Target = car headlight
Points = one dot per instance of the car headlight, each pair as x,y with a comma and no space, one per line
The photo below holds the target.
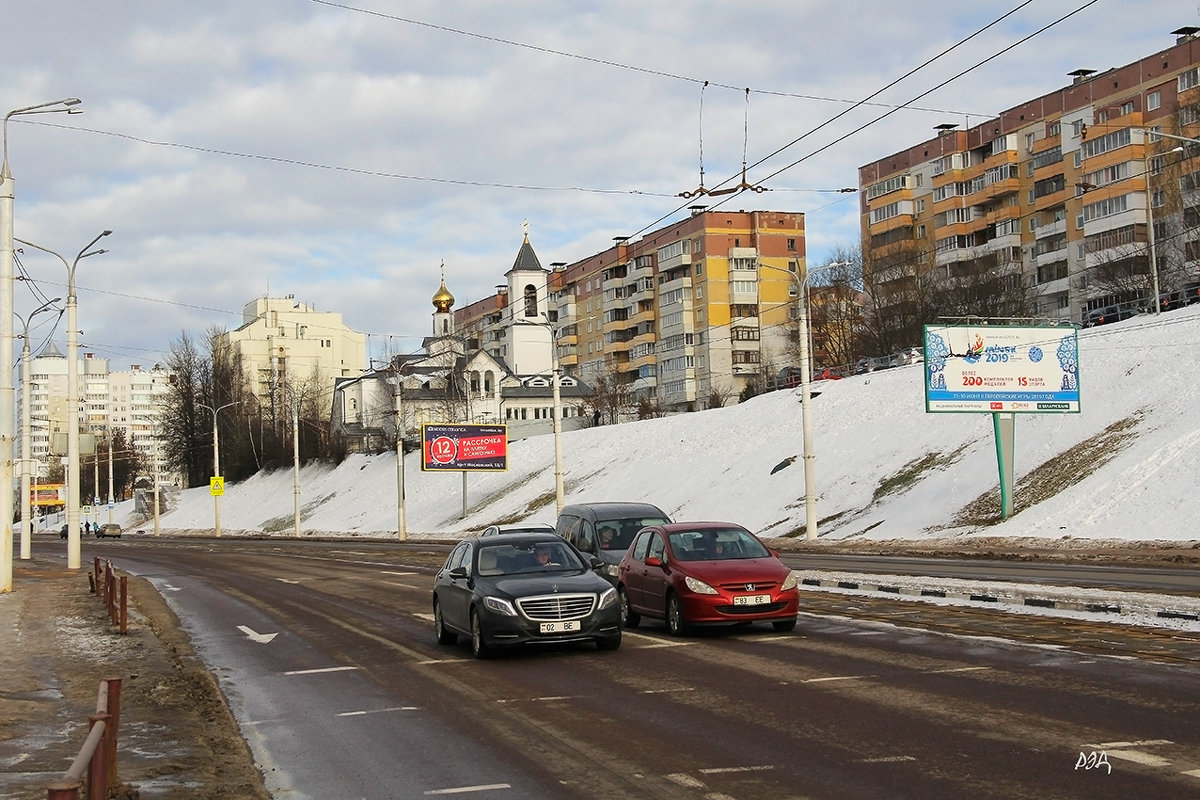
698,586
608,598
790,583
500,606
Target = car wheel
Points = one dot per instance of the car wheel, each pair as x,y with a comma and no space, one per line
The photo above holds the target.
629,617
609,642
444,636
785,625
675,622
479,647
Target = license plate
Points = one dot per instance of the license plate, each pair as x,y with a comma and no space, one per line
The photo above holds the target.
751,599
560,627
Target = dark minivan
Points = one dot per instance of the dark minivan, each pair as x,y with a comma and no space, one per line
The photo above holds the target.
606,530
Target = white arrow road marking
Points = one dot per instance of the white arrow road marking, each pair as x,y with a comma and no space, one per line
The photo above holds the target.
168,587
255,636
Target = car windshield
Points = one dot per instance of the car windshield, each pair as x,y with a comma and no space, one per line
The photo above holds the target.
715,545
518,558
617,534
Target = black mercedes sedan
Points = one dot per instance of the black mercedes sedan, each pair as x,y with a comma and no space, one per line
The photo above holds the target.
512,589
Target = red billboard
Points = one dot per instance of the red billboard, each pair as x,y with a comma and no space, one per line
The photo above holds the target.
464,448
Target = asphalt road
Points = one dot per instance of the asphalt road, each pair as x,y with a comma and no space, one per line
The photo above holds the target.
352,697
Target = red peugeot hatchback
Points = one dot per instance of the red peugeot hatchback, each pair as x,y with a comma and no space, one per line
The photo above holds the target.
705,573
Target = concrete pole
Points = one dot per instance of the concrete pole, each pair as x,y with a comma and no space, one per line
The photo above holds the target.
810,490
296,466
558,457
27,432
111,501
7,392
401,523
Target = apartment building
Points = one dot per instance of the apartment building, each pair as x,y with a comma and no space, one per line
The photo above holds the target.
693,310
128,400
284,343
1084,193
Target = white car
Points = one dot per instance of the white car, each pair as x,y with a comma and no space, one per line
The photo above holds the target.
524,527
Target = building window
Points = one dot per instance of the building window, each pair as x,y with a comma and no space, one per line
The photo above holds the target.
1153,101
1127,107
791,245
1189,80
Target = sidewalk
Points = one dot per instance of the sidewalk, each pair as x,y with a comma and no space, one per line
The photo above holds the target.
176,738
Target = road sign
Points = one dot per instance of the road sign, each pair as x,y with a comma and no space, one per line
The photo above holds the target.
216,486
85,510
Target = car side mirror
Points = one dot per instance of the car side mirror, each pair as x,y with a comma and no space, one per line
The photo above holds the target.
654,561
458,572
596,563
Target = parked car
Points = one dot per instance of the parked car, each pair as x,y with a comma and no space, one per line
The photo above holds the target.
605,530
789,378
866,365
525,527
1103,316
108,529
512,589
705,573
1190,293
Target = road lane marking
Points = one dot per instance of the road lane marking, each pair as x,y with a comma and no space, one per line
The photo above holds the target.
318,670
683,779
668,691
885,759
956,669
376,711
285,580
402,574
719,770
835,678
487,787
540,699
1138,757
255,636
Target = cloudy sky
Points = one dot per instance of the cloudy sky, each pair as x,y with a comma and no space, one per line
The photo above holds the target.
340,152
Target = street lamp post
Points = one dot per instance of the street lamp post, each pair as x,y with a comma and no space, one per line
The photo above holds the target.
810,490
401,524
556,384
27,429
7,391
217,463
73,551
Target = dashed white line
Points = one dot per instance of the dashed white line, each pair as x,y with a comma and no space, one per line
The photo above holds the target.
683,779
956,669
376,711
669,691
487,787
403,574
834,678
539,699
318,670
1138,757
719,770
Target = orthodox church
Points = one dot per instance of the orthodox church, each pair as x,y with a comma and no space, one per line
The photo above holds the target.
455,380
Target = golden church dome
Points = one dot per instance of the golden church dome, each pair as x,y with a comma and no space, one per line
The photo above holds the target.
443,300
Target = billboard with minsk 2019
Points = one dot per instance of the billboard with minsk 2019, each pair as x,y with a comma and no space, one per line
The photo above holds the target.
1002,368
464,448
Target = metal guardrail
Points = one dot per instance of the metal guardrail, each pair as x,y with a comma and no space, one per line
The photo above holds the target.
95,768
113,590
